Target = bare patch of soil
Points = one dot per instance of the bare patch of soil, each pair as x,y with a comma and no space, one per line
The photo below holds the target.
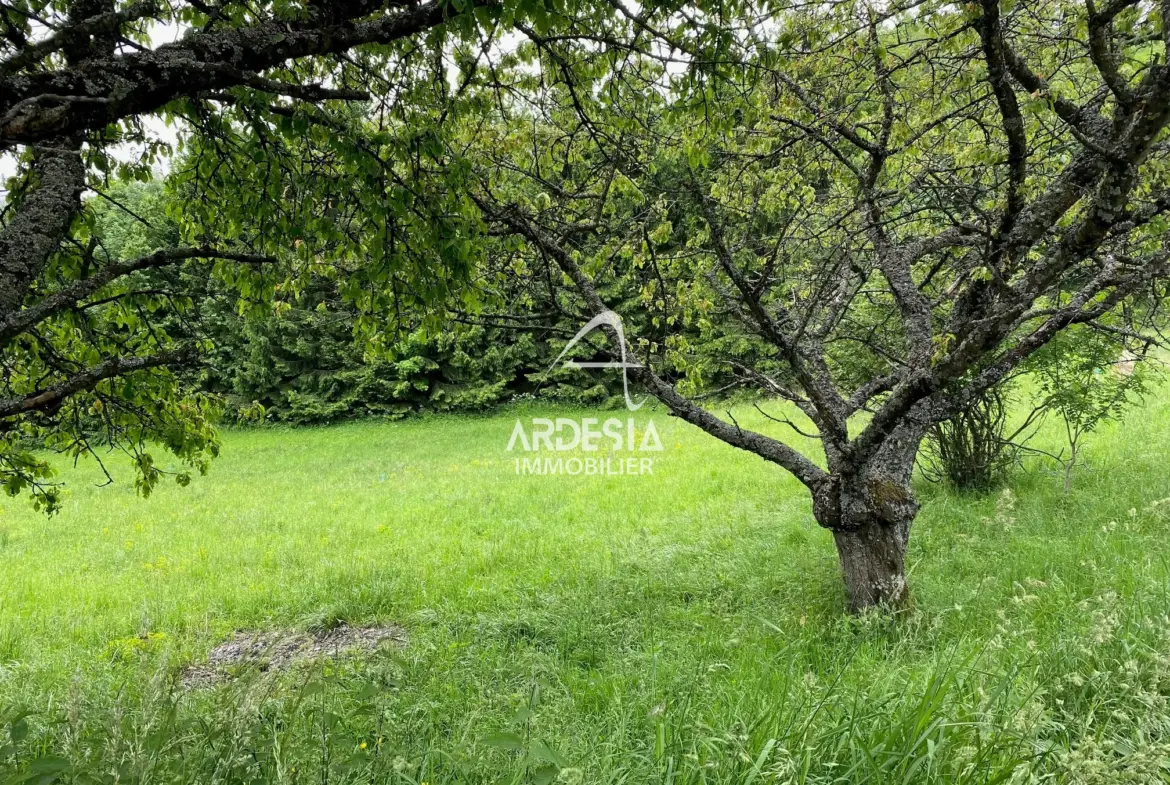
278,650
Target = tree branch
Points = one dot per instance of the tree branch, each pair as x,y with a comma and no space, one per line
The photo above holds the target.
15,323
50,399
41,221
767,448
105,89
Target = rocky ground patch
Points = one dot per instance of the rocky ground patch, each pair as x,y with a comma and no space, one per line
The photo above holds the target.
277,650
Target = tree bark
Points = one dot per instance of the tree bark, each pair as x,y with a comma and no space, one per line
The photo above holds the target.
873,565
88,96
40,222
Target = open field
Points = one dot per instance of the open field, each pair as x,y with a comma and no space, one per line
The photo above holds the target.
681,627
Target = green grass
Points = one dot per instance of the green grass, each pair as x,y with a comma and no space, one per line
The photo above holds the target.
682,627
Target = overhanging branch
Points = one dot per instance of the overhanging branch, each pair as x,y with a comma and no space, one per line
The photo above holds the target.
106,89
19,321
50,399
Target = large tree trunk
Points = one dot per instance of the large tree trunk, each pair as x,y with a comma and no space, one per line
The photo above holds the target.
873,565
870,514
869,509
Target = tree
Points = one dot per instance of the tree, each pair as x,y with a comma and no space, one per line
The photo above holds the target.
280,107
901,204
1085,376
875,213
1080,378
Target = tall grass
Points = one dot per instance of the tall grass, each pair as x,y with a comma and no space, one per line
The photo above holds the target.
682,627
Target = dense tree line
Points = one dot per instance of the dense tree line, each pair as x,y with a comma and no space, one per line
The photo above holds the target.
297,360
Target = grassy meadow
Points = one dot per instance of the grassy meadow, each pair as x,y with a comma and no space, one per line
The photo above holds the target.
681,627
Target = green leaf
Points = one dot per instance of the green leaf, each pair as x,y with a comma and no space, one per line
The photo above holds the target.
504,740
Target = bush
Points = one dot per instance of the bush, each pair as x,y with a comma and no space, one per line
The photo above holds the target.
972,450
